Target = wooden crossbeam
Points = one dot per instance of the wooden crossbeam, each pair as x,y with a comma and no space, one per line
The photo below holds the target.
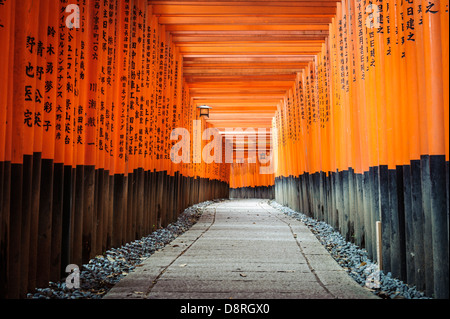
242,57
301,9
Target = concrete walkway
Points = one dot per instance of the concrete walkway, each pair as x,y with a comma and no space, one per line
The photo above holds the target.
241,249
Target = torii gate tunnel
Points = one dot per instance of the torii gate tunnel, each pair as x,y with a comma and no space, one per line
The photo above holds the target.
337,109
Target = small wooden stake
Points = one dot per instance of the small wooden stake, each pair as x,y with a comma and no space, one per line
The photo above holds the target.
379,250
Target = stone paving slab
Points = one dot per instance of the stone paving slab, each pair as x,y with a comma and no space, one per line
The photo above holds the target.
241,249
244,275
237,295
236,286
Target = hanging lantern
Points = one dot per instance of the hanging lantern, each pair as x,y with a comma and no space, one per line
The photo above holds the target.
204,110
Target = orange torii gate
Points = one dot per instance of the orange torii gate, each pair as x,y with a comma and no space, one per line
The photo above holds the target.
372,120
85,125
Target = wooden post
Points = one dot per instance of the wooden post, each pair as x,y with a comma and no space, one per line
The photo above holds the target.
379,236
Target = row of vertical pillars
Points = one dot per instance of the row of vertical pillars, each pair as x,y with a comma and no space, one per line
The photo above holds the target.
411,202
54,215
263,192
